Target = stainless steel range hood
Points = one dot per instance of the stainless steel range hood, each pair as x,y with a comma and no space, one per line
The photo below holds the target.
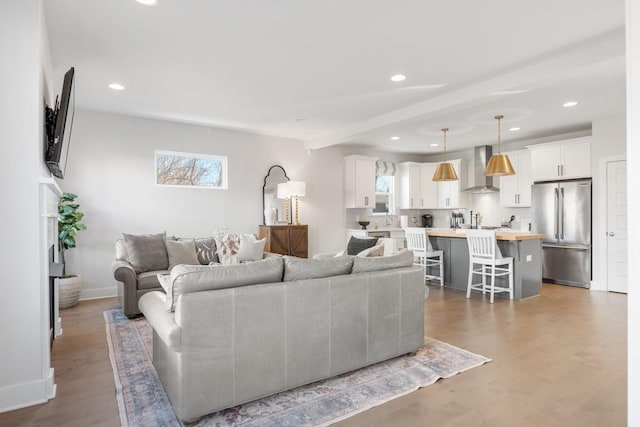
481,183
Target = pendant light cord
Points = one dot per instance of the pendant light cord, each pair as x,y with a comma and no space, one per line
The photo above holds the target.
445,130
498,118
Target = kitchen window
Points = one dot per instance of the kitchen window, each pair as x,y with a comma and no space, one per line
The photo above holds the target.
384,195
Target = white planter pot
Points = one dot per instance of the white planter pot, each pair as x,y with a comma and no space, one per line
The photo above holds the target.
69,291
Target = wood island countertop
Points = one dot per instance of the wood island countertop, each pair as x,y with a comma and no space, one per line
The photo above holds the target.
500,235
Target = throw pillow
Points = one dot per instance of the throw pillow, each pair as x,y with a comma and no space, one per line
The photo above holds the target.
377,250
228,247
206,250
250,249
357,245
181,252
401,259
147,252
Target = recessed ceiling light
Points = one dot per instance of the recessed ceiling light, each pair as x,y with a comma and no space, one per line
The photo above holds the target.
570,104
433,145
514,129
395,138
116,86
398,78
148,2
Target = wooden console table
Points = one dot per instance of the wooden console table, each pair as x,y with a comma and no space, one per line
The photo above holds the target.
286,239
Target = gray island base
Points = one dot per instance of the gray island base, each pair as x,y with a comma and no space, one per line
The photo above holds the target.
526,250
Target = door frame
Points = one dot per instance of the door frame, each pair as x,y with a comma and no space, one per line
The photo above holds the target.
599,239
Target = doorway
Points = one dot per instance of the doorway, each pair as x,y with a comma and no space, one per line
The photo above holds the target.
617,242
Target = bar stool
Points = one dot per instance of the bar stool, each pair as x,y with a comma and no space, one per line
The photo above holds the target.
484,250
418,242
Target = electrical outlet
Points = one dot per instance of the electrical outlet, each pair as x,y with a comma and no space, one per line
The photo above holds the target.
529,258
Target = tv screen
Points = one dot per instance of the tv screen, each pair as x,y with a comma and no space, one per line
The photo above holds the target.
58,150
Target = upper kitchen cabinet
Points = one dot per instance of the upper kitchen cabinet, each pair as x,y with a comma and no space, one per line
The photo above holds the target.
417,190
449,196
515,190
360,182
561,160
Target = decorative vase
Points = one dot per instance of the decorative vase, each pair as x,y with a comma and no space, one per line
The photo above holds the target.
69,291
270,215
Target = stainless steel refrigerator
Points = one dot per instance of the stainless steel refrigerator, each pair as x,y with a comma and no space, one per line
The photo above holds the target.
562,212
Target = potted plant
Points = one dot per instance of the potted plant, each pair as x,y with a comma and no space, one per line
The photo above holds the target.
69,217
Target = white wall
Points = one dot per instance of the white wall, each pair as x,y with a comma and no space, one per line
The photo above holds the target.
25,377
633,176
608,142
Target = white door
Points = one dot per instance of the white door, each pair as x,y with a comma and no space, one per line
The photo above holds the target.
415,177
546,163
617,226
365,183
576,161
524,180
429,187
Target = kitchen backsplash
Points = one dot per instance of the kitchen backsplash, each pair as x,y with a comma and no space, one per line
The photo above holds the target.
487,204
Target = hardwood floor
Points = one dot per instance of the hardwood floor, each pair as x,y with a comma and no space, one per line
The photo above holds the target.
559,360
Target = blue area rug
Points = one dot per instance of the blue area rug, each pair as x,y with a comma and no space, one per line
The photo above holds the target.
143,402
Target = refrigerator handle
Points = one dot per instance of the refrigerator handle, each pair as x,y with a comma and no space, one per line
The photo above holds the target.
555,226
562,214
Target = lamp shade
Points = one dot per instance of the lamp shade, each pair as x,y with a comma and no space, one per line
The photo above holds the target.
445,172
283,190
297,188
499,165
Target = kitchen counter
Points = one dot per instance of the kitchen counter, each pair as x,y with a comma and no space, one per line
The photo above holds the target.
370,228
525,248
500,235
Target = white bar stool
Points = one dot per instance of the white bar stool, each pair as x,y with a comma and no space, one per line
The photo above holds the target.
418,242
484,250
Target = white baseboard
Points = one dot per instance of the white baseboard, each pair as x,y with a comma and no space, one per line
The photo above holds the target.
27,394
98,293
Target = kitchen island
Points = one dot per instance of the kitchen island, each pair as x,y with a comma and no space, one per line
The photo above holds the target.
525,248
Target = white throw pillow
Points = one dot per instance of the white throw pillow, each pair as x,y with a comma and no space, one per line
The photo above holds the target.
377,250
165,282
250,248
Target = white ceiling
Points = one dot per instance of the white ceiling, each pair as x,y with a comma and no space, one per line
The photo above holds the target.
258,66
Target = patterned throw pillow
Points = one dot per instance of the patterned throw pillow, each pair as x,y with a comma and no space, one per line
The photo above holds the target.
228,247
206,250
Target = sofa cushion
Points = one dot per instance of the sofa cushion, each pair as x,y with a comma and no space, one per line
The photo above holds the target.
206,250
186,279
182,251
398,260
357,245
300,268
149,279
147,252
164,280
377,250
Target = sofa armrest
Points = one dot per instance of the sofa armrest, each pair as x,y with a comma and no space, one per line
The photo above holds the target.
127,292
266,255
152,305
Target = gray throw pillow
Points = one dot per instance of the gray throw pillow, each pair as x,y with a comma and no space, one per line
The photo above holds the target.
147,252
357,245
401,259
301,269
206,250
181,252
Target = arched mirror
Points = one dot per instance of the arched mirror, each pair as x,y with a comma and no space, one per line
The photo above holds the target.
275,176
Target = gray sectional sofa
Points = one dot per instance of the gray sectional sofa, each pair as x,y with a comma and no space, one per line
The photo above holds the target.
225,335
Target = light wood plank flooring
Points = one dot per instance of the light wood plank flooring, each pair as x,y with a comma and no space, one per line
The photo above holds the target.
559,360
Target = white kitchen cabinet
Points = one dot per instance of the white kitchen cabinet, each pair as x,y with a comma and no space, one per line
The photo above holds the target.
360,182
561,160
417,189
515,190
410,178
429,187
449,196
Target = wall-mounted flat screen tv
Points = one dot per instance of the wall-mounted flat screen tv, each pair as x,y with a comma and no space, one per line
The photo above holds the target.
59,124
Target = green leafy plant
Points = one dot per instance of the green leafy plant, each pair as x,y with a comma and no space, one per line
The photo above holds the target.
69,224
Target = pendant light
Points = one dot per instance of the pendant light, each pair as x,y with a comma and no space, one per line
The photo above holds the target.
445,170
499,164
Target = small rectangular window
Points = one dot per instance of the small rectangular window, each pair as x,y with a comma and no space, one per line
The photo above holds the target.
174,169
384,195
